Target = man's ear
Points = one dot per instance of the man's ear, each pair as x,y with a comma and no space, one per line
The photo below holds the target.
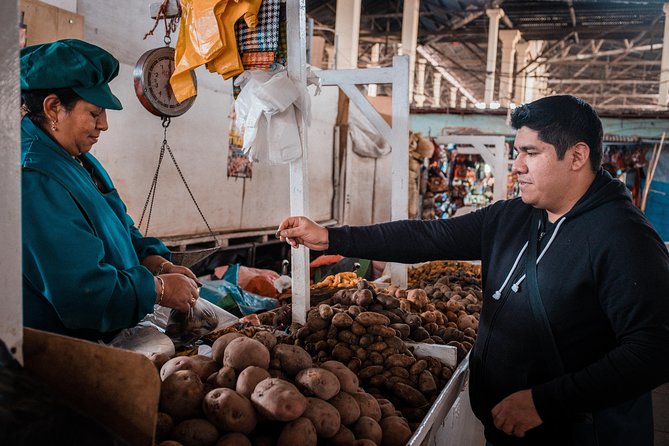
580,156
51,106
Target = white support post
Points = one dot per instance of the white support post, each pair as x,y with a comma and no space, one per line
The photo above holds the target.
419,97
399,209
347,33
397,135
463,102
436,89
509,38
410,16
663,97
299,192
11,316
521,61
491,63
372,89
532,87
453,98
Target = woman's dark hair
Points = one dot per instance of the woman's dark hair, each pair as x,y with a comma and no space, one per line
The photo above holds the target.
33,100
563,121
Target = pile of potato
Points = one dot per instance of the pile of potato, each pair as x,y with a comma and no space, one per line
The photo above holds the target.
257,391
462,273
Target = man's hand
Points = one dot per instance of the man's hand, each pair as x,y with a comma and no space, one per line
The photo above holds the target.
298,231
516,414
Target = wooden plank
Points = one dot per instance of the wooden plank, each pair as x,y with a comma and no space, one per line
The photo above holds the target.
47,23
116,387
357,76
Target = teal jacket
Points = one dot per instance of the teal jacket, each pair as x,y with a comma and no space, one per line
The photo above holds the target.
81,251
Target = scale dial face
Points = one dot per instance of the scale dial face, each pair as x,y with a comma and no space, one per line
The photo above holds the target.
152,83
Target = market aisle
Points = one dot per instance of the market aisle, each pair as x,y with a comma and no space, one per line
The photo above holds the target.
661,414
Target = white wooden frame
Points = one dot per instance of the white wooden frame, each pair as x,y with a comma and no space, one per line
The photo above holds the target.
397,135
493,151
398,138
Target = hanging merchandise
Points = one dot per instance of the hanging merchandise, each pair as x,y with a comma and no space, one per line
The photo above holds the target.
258,45
239,163
207,37
153,70
151,76
366,141
266,111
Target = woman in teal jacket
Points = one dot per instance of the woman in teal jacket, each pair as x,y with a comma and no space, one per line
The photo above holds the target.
87,270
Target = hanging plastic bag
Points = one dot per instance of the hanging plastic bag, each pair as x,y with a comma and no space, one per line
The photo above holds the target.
247,303
186,327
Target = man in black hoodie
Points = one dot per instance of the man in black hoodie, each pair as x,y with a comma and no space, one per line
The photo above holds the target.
569,348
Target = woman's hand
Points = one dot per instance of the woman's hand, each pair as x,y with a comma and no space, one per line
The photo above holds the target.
175,290
171,268
298,231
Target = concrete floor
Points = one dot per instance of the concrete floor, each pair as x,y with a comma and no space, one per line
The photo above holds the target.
661,415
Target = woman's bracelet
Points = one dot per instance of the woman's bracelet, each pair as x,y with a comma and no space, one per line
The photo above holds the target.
162,290
161,266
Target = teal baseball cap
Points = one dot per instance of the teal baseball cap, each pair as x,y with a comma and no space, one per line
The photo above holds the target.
71,63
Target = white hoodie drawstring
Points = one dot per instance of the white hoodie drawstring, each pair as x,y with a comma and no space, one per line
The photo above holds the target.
498,293
516,286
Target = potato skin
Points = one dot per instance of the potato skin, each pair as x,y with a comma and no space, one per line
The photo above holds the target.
234,439
347,406
292,358
220,344
249,378
316,381
324,416
369,407
368,428
298,432
181,395
229,411
195,432
225,377
396,431
276,399
348,381
343,437
201,365
243,352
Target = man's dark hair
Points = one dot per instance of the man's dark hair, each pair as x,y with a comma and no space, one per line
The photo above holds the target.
33,100
563,121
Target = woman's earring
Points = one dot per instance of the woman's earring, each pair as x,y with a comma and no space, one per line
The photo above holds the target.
53,126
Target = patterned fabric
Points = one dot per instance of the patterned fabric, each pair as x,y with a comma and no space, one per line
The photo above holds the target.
258,61
265,36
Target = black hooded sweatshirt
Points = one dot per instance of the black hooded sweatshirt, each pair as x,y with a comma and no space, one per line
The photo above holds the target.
604,283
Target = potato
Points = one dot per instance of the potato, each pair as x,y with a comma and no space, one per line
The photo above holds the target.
409,395
369,318
229,411
317,381
170,443
342,320
195,432
363,297
234,439
399,360
220,344
347,406
324,416
387,408
243,352
201,365
279,400
159,359
181,395
343,437
164,426
369,407
225,377
292,358
402,329
249,378
418,297
348,380
363,442
266,338
301,431
325,311
368,428
396,431
426,383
